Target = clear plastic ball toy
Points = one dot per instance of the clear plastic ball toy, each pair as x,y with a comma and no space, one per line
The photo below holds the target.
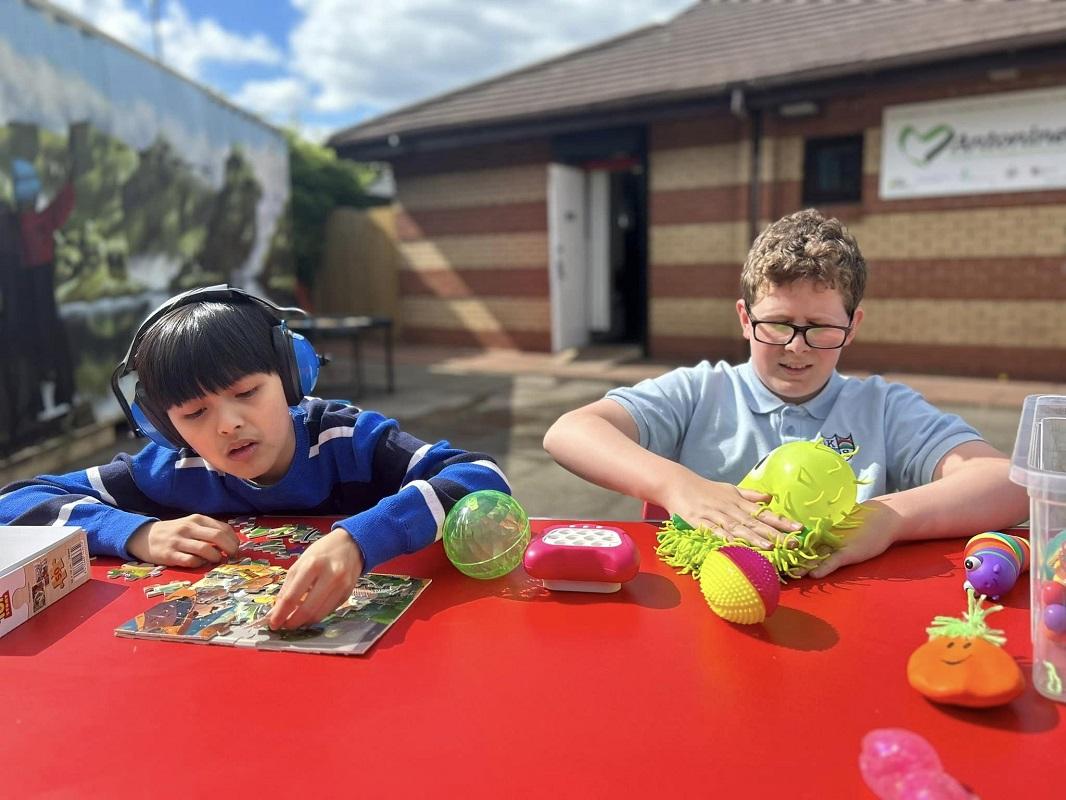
485,534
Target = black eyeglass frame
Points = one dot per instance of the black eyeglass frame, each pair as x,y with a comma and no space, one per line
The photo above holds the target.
801,329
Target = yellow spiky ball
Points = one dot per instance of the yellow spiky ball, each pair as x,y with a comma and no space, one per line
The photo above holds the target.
739,584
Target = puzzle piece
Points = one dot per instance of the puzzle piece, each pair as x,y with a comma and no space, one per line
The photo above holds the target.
260,533
135,571
165,588
305,534
276,548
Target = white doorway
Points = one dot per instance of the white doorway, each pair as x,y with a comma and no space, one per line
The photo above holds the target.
579,244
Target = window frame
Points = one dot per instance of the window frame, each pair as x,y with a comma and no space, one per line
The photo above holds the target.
813,148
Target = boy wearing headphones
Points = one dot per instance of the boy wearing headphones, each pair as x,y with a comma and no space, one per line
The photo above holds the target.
221,387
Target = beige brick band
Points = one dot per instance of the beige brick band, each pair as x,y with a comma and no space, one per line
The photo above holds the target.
473,252
699,243
522,184
495,314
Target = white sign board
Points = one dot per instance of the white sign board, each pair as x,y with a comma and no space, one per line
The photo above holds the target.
1009,142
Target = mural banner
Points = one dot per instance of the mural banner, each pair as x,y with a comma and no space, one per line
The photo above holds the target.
121,183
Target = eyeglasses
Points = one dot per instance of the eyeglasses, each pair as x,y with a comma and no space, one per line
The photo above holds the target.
820,337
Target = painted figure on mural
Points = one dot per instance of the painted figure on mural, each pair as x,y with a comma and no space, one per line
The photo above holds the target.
38,367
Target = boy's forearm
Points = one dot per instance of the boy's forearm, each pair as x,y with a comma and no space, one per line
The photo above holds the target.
594,449
970,500
107,528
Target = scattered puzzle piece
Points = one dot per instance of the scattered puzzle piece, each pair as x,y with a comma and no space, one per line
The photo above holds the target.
305,534
135,571
165,588
260,533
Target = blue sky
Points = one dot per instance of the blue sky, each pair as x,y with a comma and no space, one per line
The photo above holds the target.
325,64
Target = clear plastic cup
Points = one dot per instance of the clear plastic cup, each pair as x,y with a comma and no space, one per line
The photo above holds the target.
1039,464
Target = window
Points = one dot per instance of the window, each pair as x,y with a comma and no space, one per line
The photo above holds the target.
832,170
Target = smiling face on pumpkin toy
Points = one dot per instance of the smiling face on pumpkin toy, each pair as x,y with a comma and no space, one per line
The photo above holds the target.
964,664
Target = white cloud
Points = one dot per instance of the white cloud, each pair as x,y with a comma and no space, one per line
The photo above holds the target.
280,99
348,58
187,44
385,55
115,18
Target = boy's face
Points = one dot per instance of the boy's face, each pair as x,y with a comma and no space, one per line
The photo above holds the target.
796,372
245,430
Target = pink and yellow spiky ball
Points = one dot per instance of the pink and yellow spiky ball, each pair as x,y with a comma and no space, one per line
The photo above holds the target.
740,584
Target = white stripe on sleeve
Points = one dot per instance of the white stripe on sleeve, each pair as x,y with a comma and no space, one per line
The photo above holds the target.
97,482
495,468
68,509
433,503
420,453
340,431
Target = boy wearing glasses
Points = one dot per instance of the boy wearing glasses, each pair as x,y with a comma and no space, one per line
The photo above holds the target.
685,439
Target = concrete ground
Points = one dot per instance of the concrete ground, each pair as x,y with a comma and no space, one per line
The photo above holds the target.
502,402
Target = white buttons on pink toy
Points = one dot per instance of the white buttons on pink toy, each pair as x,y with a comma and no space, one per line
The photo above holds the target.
582,558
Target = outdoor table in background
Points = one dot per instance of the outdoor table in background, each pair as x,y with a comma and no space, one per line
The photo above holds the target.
351,327
502,688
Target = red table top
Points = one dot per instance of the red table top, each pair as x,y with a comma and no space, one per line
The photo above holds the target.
501,687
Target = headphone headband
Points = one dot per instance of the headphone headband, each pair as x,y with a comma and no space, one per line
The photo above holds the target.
219,293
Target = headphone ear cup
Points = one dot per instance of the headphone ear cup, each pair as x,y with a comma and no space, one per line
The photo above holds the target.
156,428
307,363
285,354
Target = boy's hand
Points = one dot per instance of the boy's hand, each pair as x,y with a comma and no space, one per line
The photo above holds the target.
731,511
190,541
320,580
876,534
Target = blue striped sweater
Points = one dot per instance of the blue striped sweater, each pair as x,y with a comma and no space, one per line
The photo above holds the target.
392,489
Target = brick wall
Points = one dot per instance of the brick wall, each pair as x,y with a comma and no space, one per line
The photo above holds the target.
473,232
958,285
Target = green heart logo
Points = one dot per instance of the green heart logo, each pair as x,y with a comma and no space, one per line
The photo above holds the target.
921,148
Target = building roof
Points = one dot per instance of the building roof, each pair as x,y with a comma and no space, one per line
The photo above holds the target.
718,45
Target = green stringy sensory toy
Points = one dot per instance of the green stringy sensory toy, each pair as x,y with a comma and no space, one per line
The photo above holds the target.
807,482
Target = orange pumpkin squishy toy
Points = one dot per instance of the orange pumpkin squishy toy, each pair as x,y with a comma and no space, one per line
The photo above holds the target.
964,663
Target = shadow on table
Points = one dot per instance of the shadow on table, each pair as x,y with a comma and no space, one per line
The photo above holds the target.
794,629
1030,713
48,627
902,564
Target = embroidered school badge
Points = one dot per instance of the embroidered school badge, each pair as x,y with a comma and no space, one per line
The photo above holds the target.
844,445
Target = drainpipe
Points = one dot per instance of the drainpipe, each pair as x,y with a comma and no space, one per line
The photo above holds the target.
739,107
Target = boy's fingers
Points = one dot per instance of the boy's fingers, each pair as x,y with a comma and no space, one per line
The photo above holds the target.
184,559
751,531
777,521
828,566
317,604
292,592
222,540
754,496
224,537
199,546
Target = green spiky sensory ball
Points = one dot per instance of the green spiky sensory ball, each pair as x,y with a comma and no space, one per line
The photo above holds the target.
807,482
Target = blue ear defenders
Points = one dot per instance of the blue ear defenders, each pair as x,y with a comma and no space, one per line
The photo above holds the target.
298,363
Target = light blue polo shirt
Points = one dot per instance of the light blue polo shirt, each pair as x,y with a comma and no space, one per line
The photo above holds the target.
720,421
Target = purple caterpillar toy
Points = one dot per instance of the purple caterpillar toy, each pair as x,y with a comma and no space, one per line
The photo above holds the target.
993,562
